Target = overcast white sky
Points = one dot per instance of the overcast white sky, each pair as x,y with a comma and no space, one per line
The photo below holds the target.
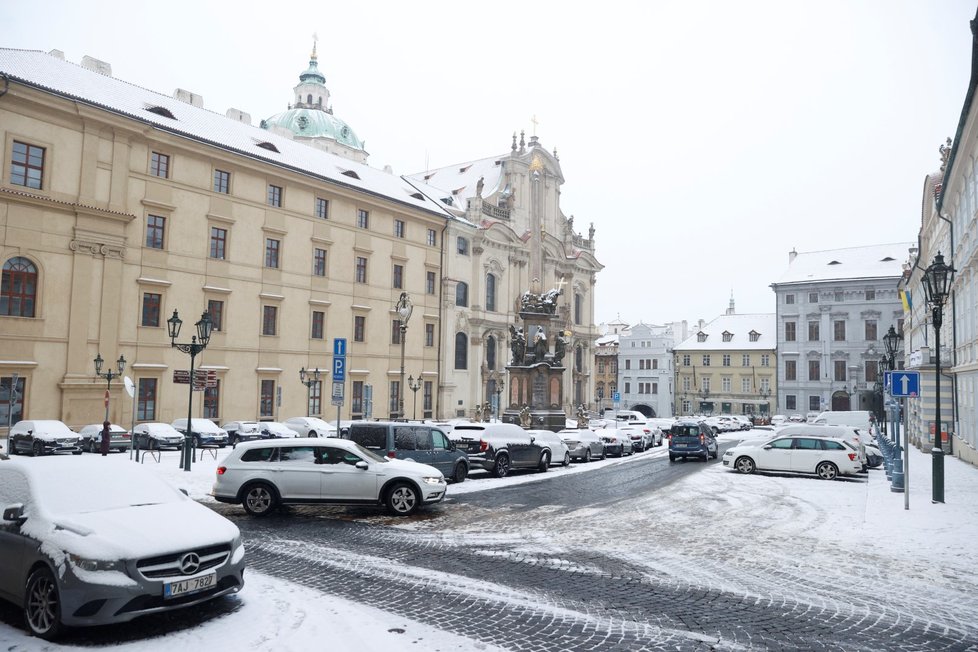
704,139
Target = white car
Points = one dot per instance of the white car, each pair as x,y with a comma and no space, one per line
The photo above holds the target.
154,436
778,419
827,457
643,437
276,430
854,436
239,431
261,475
42,436
205,432
91,438
559,453
310,427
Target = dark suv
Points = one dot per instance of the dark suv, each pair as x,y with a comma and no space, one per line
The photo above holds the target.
688,438
412,441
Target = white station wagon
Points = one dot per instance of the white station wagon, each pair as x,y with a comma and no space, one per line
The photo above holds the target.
826,457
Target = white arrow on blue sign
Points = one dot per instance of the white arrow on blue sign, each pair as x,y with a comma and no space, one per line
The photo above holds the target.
904,383
339,346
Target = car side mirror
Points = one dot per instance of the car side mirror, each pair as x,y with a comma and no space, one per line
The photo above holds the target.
363,466
14,512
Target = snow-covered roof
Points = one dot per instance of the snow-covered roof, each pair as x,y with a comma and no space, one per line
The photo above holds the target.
607,340
874,261
738,329
50,73
460,181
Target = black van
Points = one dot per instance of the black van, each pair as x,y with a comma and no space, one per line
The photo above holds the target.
412,441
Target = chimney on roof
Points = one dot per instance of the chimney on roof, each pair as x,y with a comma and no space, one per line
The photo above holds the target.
792,255
239,116
388,169
95,65
57,54
190,98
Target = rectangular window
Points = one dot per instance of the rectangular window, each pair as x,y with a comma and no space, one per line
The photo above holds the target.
361,270
790,370
363,219
146,403
790,402
745,360
813,297
839,330
319,262
725,384
272,247
814,403
27,165
266,401
765,360
686,360
655,364
398,280
427,400
429,282
870,295
152,304
655,388
725,360
745,385
159,165
395,397
269,320
789,331
871,370
212,401
706,359
398,228
396,331
356,401
839,296
219,242
789,299
814,370
274,196
315,398
429,334
628,364
155,230
318,324
222,181
813,334
628,388
215,309
432,239
359,328
840,370
871,329
322,208
12,401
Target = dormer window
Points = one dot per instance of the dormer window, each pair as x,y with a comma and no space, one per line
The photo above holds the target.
351,174
270,147
727,336
754,336
159,110
701,336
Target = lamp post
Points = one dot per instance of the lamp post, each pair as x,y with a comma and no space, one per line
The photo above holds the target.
881,384
936,283
499,398
11,401
109,377
197,344
309,379
404,309
414,386
765,393
704,394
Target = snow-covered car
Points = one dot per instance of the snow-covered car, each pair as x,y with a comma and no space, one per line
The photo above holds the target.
239,431
81,546
310,427
825,456
91,438
616,442
643,437
42,436
156,436
205,432
854,436
778,419
276,430
743,421
583,444
500,447
559,453
261,475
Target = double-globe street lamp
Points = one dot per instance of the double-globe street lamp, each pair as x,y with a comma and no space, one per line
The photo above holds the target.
197,344
414,385
891,342
310,379
404,308
936,282
109,376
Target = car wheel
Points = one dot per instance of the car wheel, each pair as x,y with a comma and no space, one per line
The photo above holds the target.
502,466
827,470
587,455
402,499
42,607
91,446
544,462
745,465
567,459
259,499
38,449
716,453
196,441
672,458
460,473
312,433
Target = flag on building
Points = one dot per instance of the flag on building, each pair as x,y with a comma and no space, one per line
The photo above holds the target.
907,302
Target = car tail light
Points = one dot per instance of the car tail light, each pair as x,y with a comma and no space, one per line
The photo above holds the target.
391,454
646,431
852,457
702,439
221,470
483,445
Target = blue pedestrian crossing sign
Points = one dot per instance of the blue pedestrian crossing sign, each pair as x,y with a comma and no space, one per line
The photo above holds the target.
904,383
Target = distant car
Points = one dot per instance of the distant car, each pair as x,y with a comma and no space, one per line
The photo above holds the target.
42,437
156,436
205,432
643,437
689,438
91,438
811,416
276,430
616,443
261,475
239,431
83,546
826,457
560,453
778,419
419,442
584,445
310,427
796,418
743,420
500,447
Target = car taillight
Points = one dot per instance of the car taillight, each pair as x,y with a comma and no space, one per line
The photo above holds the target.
483,445
221,470
391,454
852,457
646,431
702,439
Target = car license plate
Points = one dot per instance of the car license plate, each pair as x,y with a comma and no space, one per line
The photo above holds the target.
185,587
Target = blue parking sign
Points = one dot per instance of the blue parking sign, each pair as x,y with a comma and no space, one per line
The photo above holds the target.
616,397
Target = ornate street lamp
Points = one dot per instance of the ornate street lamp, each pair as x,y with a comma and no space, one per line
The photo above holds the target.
404,309
11,400
499,397
109,376
884,366
891,340
197,344
765,393
310,379
704,394
414,386
936,282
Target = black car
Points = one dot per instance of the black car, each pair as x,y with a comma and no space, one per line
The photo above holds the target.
688,438
500,447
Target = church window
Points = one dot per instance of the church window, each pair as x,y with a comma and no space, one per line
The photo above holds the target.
491,353
491,292
463,246
309,98
461,351
462,294
578,308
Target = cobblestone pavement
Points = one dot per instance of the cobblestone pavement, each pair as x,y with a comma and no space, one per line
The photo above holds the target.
614,560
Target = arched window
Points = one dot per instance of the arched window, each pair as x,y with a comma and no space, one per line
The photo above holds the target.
461,351
491,353
18,288
309,98
579,359
462,294
490,292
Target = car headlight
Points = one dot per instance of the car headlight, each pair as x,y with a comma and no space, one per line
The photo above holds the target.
433,480
98,564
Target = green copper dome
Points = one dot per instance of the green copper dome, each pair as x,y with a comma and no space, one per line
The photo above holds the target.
312,73
314,123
